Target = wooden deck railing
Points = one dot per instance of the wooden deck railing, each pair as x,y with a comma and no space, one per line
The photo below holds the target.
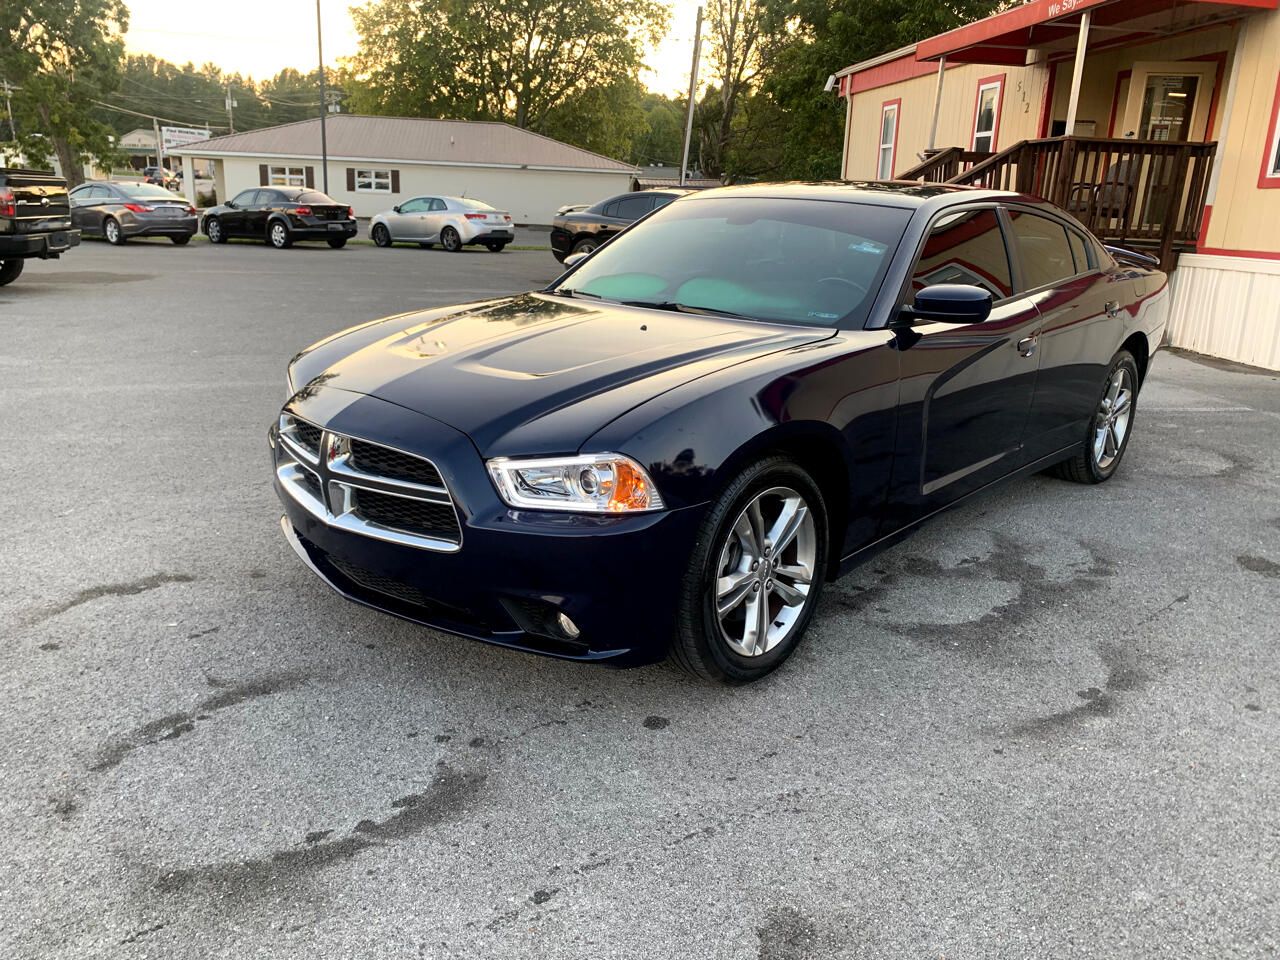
942,165
1148,193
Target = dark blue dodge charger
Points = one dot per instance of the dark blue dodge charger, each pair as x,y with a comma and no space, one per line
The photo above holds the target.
668,450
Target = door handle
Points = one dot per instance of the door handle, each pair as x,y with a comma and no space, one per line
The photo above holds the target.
1112,308
1027,345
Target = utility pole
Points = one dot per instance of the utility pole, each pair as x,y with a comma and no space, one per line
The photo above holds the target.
8,102
324,107
693,89
155,129
231,104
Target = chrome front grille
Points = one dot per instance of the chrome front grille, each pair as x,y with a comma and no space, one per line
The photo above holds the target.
366,488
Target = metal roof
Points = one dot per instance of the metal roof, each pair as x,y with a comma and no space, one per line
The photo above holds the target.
408,139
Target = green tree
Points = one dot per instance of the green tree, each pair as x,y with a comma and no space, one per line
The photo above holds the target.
734,31
62,55
525,62
663,136
808,40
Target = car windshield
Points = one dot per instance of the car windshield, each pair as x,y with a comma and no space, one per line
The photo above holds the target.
813,262
145,191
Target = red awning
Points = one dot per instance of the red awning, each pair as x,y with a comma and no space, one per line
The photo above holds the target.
1006,37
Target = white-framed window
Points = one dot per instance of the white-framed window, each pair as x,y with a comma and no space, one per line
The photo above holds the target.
888,139
986,114
287,177
1270,177
373,181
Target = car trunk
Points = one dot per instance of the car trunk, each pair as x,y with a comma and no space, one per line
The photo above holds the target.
490,219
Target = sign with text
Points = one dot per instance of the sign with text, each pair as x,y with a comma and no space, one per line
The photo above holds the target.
171,137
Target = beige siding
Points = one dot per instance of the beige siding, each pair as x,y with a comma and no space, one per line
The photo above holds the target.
1244,216
1228,307
1019,114
530,196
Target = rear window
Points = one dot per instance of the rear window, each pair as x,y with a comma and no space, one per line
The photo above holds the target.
145,191
315,196
466,204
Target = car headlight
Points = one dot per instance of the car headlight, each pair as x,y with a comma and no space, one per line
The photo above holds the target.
597,483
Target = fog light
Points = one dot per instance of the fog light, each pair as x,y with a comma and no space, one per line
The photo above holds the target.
568,626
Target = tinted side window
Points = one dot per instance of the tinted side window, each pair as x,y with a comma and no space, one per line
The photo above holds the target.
662,199
418,205
633,208
437,205
1043,249
1079,251
965,247
611,209
245,199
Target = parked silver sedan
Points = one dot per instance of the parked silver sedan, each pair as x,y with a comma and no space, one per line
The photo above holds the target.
120,210
452,222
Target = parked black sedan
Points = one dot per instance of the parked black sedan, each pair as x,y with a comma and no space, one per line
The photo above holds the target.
281,216
669,449
120,210
581,231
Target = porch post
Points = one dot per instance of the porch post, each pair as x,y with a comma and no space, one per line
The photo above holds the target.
1077,71
937,102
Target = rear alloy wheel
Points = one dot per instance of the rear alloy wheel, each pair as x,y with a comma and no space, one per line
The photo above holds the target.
278,235
755,575
586,246
10,270
337,242
450,240
111,230
1108,433
381,236
213,229
495,247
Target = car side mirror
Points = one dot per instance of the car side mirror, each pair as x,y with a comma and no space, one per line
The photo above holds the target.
396,208
573,259
231,204
950,303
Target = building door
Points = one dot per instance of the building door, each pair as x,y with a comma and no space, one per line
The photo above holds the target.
1169,101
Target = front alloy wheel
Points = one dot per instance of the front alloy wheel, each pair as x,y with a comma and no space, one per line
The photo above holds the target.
381,236
755,575
111,230
213,228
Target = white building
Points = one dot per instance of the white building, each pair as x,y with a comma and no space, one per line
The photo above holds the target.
377,162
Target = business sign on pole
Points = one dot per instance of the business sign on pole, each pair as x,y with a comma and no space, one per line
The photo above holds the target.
171,137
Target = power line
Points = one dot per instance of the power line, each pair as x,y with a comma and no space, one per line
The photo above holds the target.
151,116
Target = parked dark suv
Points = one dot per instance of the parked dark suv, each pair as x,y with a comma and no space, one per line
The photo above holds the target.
281,215
35,220
584,230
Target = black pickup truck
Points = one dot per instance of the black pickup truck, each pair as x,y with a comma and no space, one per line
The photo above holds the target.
35,220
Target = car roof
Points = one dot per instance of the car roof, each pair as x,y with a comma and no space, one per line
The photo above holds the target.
905,194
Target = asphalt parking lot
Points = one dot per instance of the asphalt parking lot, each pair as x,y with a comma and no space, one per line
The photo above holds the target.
1045,726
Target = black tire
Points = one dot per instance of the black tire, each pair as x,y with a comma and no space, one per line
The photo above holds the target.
180,241
1088,466
112,230
10,270
336,242
700,645
586,245
278,235
450,240
213,230
427,246
495,247
380,235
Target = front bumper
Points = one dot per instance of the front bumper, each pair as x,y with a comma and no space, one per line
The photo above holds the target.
617,577
45,246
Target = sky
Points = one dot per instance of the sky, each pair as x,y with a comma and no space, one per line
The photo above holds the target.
259,38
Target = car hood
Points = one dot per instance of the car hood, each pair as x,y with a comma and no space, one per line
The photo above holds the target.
535,374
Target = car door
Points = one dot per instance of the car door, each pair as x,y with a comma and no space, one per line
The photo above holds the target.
1079,304
82,208
965,390
433,220
233,218
403,224
624,211
266,203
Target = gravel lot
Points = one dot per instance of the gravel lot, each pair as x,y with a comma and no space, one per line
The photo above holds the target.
1045,726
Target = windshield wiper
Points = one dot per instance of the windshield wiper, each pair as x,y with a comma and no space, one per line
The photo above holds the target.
676,307
569,292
